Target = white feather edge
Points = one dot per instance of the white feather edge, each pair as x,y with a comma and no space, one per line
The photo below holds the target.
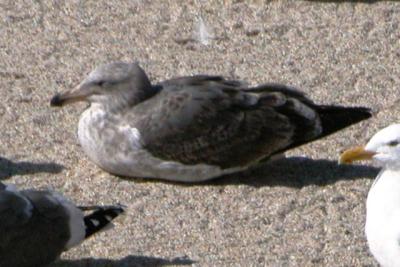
11,188
77,226
203,33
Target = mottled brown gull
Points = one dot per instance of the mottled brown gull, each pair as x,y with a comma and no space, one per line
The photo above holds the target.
193,128
37,226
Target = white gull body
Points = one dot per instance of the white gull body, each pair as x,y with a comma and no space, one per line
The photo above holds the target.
137,162
382,225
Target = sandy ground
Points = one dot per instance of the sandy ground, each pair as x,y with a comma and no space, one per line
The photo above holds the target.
303,211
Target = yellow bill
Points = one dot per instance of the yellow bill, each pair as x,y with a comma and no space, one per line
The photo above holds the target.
355,154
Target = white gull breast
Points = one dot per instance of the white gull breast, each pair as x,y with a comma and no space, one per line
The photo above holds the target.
128,157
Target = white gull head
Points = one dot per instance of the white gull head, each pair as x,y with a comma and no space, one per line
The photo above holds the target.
385,145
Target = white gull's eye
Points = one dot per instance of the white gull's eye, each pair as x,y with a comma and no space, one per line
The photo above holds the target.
393,143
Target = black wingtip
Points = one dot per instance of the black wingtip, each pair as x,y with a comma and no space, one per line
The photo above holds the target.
335,118
101,218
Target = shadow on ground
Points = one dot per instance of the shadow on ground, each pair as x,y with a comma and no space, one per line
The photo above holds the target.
298,172
291,172
129,261
9,168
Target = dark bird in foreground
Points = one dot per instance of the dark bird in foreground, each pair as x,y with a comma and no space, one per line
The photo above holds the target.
193,128
37,226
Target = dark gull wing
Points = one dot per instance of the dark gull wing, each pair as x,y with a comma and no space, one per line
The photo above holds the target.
211,121
37,226
330,118
200,80
28,238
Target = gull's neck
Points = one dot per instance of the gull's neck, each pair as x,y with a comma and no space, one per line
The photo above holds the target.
388,168
113,106
390,173
392,166
125,99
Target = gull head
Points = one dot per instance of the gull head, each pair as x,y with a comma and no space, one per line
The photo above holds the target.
383,147
113,85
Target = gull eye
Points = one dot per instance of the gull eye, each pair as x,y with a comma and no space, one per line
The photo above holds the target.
100,83
393,143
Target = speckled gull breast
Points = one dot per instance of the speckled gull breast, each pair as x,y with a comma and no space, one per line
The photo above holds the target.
193,128
37,226
382,226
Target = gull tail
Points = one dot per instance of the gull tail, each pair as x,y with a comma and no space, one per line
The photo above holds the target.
335,118
100,219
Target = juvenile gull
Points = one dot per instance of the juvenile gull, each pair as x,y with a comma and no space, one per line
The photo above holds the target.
382,226
193,128
37,226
